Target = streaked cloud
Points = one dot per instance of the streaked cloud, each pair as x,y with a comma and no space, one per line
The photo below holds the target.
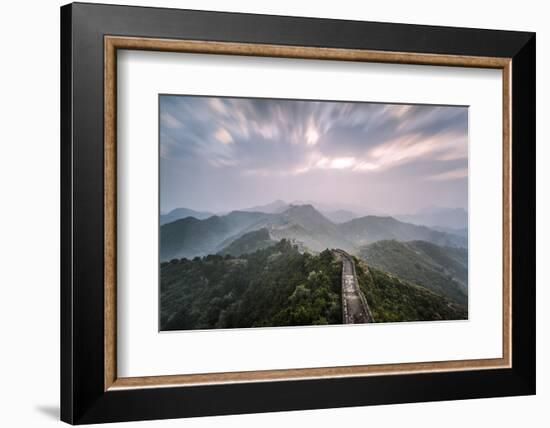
376,136
238,137
170,121
223,136
450,175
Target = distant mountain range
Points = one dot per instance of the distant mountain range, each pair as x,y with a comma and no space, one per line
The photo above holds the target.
369,229
463,232
190,236
278,206
453,218
179,213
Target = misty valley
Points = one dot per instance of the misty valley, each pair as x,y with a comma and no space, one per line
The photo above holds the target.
306,264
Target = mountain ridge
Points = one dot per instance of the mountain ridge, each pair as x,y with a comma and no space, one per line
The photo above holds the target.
180,213
191,237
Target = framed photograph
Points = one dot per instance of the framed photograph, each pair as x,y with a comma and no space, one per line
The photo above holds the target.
266,213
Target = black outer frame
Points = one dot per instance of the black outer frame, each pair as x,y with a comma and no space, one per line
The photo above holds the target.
83,399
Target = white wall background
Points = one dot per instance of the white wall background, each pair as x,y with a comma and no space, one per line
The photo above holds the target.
29,216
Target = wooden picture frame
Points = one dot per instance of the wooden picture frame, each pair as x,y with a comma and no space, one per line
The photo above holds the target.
91,390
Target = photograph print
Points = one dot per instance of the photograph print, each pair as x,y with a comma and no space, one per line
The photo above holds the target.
289,212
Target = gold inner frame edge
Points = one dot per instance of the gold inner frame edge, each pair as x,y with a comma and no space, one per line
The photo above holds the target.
113,43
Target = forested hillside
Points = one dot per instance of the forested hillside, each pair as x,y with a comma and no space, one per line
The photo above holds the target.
392,299
276,286
443,270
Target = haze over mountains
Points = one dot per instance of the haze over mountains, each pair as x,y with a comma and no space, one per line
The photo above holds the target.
450,218
303,224
273,265
432,216
178,213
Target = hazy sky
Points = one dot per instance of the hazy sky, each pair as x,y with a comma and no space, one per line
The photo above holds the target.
220,154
